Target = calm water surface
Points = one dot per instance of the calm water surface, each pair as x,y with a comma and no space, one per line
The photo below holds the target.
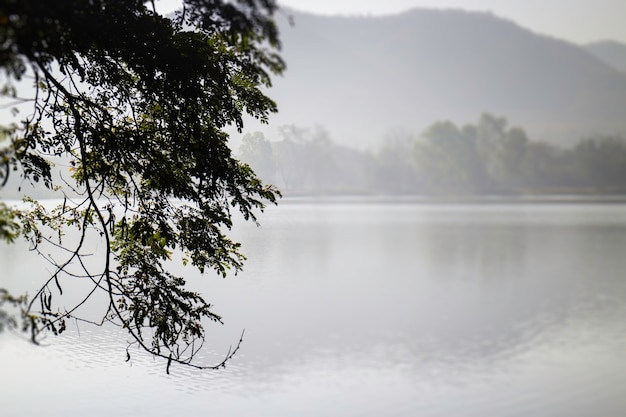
372,309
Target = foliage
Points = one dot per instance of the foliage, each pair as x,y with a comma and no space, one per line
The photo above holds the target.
9,228
132,105
488,157
257,151
307,161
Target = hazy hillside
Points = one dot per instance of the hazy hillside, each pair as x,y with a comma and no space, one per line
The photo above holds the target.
612,53
361,77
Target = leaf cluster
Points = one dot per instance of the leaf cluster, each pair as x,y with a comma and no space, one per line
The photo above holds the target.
134,104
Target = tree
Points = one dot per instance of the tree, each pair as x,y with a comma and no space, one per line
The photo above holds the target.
292,162
600,163
445,159
256,151
395,165
131,106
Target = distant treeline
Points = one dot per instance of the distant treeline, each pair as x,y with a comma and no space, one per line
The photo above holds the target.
486,158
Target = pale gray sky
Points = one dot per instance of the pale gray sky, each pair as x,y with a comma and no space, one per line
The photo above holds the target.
578,21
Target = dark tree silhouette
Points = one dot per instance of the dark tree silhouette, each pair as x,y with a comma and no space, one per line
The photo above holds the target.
131,106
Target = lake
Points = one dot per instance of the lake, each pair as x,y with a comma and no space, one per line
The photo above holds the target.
372,308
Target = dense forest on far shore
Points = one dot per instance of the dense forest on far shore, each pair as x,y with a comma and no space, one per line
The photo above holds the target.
483,159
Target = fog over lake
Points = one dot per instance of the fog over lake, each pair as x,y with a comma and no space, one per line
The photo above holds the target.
450,242
372,307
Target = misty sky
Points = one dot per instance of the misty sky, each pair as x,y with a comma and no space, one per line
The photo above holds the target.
579,21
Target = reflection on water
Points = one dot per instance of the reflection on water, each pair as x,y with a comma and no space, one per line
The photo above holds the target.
375,309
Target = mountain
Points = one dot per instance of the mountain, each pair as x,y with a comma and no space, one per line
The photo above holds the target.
363,77
610,52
